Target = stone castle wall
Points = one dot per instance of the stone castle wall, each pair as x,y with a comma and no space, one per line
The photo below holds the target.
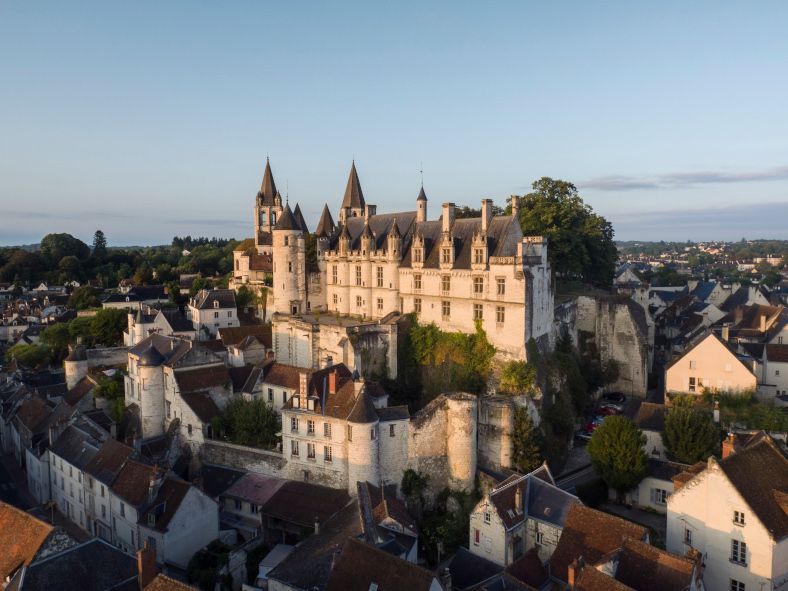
241,457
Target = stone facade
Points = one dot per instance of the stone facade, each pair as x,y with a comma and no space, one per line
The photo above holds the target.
495,428
617,329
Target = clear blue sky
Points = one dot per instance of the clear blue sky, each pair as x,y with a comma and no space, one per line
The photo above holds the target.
150,119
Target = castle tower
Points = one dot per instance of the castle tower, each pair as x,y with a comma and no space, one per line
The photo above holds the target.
289,258
367,241
75,366
461,440
151,402
421,206
353,204
267,209
363,441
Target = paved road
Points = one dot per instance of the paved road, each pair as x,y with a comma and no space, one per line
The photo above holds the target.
8,491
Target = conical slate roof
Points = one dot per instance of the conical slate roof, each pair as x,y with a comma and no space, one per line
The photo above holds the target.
299,218
394,231
151,357
422,195
366,232
354,197
268,186
345,233
325,227
286,221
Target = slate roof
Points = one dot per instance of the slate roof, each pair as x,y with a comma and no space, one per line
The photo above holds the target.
591,534
236,334
665,470
171,348
206,297
33,414
201,378
299,219
21,537
703,290
529,569
467,569
353,197
81,389
393,413
202,405
359,565
177,320
216,480
109,460
267,192
326,225
239,375
379,225
254,488
91,566
760,475
651,416
76,447
286,220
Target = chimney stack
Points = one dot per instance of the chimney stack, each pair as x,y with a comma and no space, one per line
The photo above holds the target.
146,565
447,217
487,206
332,382
729,446
302,383
515,207
317,525
574,569
726,332
518,499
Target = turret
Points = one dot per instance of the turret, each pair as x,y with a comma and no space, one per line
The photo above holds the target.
75,366
367,241
151,399
487,207
344,241
447,237
421,206
353,204
289,264
394,242
363,436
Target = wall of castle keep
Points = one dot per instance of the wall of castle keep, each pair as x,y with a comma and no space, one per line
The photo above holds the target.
240,457
495,427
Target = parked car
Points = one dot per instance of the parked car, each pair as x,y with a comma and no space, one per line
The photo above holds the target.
608,409
583,435
615,397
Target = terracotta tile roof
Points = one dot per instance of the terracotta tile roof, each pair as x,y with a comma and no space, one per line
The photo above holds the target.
33,414
359,565
646,568
591,579
202,378
133,482
202,405
76,447
165,583
235,334
21,537
166,504
651,417
758,472
110,458
302,502
591,534
281,374
777,353
388,506
261,262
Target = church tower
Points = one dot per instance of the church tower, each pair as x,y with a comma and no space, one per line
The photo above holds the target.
267,209
353,204
289,258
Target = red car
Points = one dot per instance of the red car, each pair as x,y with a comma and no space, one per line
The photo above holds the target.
606,410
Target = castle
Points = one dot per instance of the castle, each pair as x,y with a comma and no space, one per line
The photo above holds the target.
369,268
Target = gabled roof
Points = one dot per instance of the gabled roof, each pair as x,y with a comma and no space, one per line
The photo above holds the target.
236,334
81,389
202,378
202,405
205,298
268,187
165,583
106,464
591,534
708,334
21,537
301,502
76,447
326,225
354,197
361,565
647,568
254,488
133,482
166,504
33,414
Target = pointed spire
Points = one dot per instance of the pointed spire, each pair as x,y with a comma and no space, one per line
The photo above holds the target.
268,186
345,233
422,195
394,231
299,218
325,227
354,197
366,232
286,220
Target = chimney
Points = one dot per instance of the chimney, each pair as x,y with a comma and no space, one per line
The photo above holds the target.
154,484
370,210
574,569
447,217
515,207
146,565
738,314
716,412
317,525
729,446
726,331
486,214
518,499
302,383
763,322
332,382
446,579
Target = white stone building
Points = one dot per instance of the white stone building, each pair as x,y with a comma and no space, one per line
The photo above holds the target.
522,512
454,272
212,309
733,511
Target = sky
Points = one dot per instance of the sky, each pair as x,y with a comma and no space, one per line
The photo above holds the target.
154,119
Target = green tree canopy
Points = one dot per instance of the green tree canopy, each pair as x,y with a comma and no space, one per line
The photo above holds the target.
616,451
99,245
526,442
690,435
252,423
518,377
84,297
56,246
581,242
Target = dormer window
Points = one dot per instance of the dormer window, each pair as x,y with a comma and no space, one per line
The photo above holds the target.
417,255
216,303
446,255
478,256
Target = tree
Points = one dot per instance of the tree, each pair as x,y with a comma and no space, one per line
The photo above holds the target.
581,242
56,246
70,267
252,423
616,451
526,442
518,377
84,297
690,435
107,326
99,245
29,355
